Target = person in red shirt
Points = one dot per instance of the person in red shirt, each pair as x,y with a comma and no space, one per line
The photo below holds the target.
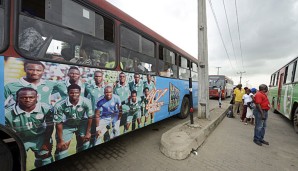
261,115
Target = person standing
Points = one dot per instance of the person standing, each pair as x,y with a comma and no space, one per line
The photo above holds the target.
219,96
122,90
108,114
247,100
73,115
261,115
237,98
33,121
34,72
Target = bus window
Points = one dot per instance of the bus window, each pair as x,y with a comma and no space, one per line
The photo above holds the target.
167,63
184,72
1,24
137,52
194,72
277,79
51,36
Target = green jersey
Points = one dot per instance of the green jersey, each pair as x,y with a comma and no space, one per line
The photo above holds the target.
29,125
150,85
80,83
134,108
72,115
123,92
44,89
95,92
145,102
137,87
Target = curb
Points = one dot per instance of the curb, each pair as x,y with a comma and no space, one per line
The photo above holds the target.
180,141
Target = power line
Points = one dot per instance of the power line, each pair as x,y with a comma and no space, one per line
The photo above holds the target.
210,3
229,29
239,33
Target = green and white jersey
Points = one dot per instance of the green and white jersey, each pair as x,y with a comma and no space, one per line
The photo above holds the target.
44,89
150,85
144,104
72,115
134,108
122,91
29,124
80,83
94,92
138,87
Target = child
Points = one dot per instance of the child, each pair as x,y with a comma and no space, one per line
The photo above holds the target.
247,100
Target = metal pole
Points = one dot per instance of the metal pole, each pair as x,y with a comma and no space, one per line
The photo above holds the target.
190,101
203,110
218,70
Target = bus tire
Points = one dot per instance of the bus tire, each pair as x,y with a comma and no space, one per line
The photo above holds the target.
295,120
5,153
185,106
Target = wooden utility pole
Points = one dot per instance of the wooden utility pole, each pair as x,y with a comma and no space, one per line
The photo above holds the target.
203,110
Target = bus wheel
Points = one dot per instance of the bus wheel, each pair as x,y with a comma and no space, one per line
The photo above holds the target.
185,106
295,121
5,153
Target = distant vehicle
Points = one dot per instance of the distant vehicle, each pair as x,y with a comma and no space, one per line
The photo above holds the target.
283,92
220,81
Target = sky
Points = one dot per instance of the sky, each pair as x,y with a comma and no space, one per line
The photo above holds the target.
268,33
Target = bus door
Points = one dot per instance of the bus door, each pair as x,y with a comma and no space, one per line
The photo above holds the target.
280,83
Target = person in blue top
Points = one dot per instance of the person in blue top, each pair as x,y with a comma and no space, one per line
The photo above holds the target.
108,114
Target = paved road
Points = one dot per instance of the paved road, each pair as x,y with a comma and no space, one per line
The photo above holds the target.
229,147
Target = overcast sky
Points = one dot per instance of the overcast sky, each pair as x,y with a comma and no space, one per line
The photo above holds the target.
268,33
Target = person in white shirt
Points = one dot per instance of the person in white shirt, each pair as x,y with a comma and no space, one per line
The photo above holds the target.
248,105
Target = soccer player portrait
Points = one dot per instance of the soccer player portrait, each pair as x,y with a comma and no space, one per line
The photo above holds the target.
34,72
134,111
108,114
137,85
73,115
74,77
150,83
33,122
122,90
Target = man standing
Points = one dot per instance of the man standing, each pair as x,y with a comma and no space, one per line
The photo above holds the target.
137,85
74,77
34,72
94,91
122,90
33,122
108,114
237,98
72,115
261,115
134,112
150,83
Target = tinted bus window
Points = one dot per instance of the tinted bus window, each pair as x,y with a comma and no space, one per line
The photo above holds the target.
194,72
88,42
1,24
184,72
137,52
167,63
290,73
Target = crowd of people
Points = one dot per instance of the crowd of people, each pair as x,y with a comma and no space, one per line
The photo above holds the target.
252,106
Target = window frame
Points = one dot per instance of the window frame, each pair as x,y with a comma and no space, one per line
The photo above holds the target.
188,62
6,26
163,51
97,11
142,54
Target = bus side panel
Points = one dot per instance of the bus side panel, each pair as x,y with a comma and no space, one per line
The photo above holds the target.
2,114
176,90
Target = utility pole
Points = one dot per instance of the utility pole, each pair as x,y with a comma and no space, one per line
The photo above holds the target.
203,109
217,70
240,75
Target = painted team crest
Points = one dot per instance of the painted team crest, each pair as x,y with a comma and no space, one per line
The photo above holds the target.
45,89
80,109
39,116
55,116
174,97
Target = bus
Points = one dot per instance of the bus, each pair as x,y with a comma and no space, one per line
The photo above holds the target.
283,94
78,73
223,82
